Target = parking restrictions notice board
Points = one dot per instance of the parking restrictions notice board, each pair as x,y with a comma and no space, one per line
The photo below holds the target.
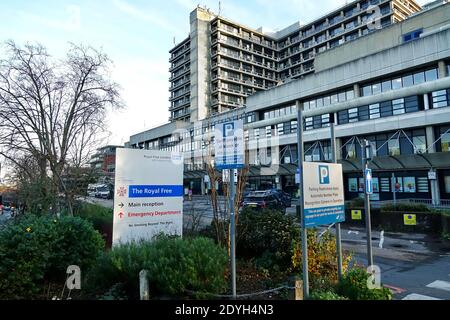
148,195
323,191
229,145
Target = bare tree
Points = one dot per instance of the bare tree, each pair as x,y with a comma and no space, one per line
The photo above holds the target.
53,111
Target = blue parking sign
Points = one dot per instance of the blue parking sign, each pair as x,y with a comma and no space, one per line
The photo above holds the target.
368,180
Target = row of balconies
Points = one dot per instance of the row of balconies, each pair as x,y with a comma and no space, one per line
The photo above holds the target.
243,70
180,53
258,41
269,65
185,71
248,49
182,83
179,94
340,19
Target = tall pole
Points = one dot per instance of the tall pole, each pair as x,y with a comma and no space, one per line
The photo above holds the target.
394,193
232,233
365,162
338,225
300,205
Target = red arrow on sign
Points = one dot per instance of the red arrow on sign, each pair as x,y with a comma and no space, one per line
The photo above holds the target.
120,215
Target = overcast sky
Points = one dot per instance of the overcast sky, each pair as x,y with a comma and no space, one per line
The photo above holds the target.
137,35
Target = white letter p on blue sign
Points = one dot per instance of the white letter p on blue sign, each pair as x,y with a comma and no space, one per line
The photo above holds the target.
324,175
228,129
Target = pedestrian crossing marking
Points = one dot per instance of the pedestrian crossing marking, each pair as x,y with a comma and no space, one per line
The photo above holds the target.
415,296
439,284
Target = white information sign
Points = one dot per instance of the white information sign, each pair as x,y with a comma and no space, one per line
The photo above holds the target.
323,191
148,195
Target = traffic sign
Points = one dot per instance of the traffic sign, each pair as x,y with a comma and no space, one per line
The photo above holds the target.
368,181
409,219
229,145
356,215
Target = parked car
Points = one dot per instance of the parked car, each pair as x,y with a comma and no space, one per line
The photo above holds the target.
284,197
103,192
263,200
6,206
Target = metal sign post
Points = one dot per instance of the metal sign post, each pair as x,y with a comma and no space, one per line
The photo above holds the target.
229,154
300,205
338,225
232,234
365,152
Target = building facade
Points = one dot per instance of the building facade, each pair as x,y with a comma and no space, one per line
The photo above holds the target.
222,62
391,87
104,160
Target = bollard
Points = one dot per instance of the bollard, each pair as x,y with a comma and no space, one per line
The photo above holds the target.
298,290
143,285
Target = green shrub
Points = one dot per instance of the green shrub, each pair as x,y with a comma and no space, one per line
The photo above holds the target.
326,295
174,266
405,207
356,203
354,286
99,216
34,250
267,236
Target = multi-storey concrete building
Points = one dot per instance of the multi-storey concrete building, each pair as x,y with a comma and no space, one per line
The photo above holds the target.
223,62
104,160
391,87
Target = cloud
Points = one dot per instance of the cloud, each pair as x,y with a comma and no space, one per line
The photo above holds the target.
71,21
152,18
146,92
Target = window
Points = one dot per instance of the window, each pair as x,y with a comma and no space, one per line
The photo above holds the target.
394,147
309,124
419,77
363,113
412,104
374,111
343,117
353,185
398,106
447,184
293,126
268,131
422,184
440,99
353,115
386,86
412,35
420,143
376,88
431,75
280,130
396,83
386,109
409,184
350,95
445,139
408,80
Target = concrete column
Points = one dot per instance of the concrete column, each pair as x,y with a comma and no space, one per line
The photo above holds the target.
435,190
338,149
356,90
203,186
426,102
442,69
430,139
